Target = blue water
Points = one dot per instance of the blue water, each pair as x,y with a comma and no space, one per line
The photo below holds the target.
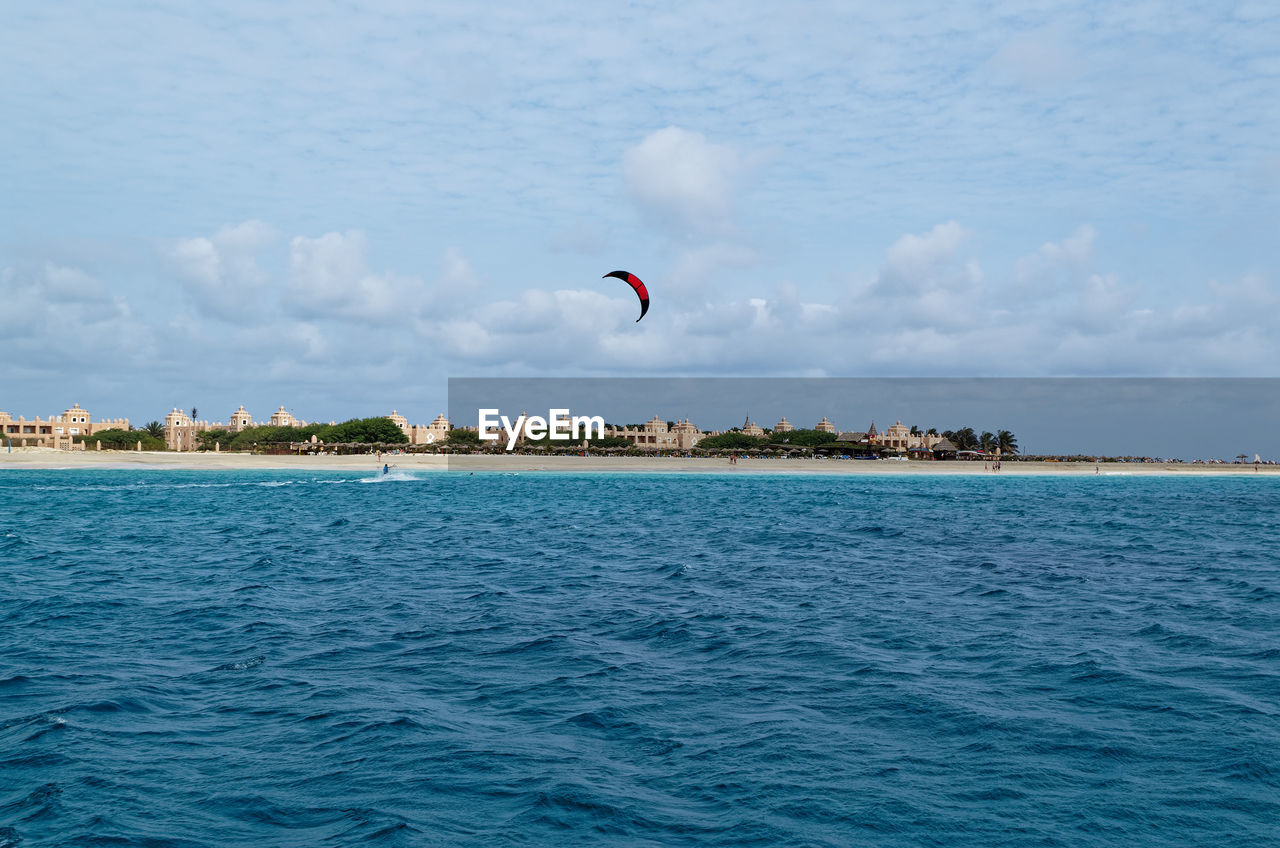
219,658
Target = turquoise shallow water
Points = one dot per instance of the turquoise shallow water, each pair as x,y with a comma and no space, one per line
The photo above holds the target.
217,658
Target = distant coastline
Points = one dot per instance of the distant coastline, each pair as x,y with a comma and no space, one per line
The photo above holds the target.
48,458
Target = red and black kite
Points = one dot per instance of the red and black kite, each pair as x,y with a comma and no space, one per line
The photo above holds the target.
635,283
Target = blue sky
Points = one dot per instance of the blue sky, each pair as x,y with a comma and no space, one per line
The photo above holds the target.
337,206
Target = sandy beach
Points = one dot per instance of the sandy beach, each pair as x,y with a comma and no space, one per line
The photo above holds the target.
47,458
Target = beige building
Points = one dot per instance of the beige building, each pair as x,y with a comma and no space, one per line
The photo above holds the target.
435,433
240,420
181,433
825,426
422,434
751,428
57,431
897,435
282,418
656,435
783,426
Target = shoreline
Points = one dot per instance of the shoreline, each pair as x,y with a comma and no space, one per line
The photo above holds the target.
51,459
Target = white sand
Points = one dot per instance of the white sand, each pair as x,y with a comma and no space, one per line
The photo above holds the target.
46,458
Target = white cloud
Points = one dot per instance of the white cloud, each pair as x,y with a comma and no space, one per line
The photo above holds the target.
71,285
916,264
1075,251
65,319
221,272
696,266
328,278
685,182
1055,268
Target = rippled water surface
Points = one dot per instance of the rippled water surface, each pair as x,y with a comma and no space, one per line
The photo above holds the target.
224,658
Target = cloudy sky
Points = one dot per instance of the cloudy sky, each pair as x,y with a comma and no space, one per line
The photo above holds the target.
337,206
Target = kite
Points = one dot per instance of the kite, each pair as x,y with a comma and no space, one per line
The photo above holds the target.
635,283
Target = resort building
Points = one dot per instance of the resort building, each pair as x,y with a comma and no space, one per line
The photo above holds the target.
896,436
422,434
435,433
751,428
240,420
853,437
825,426
57,431
899,437
281,418
783,426
181,431
656,435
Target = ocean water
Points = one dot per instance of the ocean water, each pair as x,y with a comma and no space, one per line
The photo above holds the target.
286,659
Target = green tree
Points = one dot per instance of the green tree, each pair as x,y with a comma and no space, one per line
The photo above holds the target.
963,439
252,437
731,441
799,438
609,442
987,441
1008,442
115,439
154,429
208,439
364,431
460,438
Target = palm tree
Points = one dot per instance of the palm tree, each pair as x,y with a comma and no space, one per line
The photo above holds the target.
987,441
915,431
1008,442
154,429
964,438
932,431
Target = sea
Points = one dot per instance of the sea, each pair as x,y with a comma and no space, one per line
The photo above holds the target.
214,658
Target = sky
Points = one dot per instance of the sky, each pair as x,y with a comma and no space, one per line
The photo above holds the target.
335,207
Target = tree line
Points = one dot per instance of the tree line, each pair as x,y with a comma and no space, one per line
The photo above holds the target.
355,431
363,431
